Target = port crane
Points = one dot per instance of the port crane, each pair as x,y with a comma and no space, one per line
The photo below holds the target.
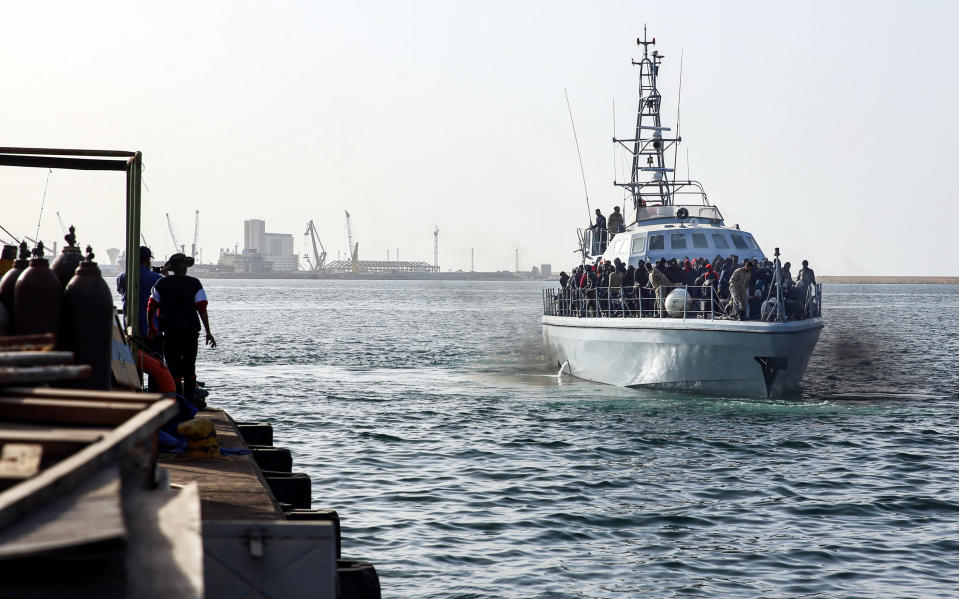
319,256
196,233
176,243
354,247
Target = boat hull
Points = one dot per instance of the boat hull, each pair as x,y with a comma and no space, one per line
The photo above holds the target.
724,357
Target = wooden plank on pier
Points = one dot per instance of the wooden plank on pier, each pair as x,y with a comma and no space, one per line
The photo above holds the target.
74,394
19,461
42,374
35,358
67,411
59,478
40,342
91,514
23,432
57,442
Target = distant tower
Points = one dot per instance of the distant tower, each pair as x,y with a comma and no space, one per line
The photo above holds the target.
387,254
517,261
436,247
397,254
472,260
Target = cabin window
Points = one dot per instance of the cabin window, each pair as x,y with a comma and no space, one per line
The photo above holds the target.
720,241
619,244
677,241
657,242
739,242
699,240
752,242
639,244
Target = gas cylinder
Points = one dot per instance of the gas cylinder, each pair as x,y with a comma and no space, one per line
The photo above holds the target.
66,263
9,280
37,296
87,327
7,257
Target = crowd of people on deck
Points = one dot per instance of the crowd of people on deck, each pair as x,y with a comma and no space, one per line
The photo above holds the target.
720,287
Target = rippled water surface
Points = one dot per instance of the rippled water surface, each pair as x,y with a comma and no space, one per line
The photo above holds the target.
428,416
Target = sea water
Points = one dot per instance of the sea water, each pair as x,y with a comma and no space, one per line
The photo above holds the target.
461,465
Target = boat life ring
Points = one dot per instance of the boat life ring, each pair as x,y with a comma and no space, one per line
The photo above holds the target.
156,369
682,214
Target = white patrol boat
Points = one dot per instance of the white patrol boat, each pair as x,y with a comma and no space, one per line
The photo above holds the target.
693,341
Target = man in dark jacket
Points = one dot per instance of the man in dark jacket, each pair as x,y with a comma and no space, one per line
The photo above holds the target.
599,231
181,303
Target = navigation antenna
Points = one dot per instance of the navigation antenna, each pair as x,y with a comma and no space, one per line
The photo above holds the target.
648,146
43,201
679,101
589,213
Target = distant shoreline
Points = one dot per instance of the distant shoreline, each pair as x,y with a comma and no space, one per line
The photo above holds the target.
377,276
888,280
525,276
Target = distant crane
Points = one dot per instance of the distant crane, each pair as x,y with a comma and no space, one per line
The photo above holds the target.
319,255
12,236
196,233
63,230
436,247
176,243
354,247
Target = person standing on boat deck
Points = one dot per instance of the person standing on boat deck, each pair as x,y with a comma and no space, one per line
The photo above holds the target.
616,223
739,288
600,229
181,302
804,280
806,275
658,281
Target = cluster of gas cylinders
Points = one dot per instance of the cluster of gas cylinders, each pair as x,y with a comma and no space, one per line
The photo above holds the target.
69,299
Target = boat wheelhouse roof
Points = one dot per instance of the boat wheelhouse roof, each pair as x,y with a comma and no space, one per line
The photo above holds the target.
666,213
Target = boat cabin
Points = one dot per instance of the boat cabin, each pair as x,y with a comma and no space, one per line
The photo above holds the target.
661,233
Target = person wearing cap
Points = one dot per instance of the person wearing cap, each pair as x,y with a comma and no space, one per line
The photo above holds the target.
181,303
148,279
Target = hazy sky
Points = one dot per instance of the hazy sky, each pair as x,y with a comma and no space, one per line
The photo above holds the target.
825,128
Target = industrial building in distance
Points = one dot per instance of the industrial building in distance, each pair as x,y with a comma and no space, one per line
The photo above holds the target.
374,266
262,251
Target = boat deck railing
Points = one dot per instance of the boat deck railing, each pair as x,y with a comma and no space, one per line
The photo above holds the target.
703,302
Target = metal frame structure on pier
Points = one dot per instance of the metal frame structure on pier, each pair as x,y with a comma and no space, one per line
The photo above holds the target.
128,162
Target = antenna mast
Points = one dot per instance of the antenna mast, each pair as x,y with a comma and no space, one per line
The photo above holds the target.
648,144
436,247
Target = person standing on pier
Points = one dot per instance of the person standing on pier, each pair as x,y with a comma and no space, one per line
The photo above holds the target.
148,279
181,303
